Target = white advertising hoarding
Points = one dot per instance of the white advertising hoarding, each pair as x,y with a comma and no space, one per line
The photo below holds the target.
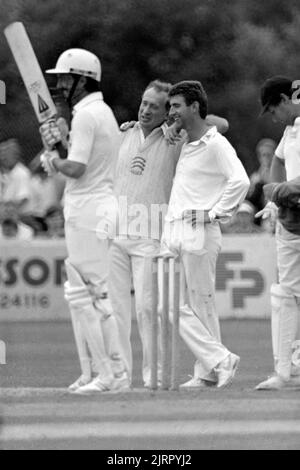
31,280
32,276
246,269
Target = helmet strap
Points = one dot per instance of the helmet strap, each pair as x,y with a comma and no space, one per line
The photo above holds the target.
76,79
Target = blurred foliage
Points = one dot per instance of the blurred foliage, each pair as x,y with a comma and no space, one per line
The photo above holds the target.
231,46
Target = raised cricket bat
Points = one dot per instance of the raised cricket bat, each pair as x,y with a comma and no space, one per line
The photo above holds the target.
30,71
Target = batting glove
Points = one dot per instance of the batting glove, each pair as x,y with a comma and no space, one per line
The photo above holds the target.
51,134
64,131
47,159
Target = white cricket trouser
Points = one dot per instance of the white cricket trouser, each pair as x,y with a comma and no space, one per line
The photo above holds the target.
288,260
199,322
129,261
87,245
288,257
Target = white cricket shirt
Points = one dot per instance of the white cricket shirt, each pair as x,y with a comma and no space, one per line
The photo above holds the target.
94,141
289,150
209,176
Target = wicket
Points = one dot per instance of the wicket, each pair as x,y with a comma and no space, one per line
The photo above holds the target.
166,275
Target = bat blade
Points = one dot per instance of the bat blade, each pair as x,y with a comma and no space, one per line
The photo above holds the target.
30,71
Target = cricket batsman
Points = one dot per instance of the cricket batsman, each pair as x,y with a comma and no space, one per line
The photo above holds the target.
277,99
90,209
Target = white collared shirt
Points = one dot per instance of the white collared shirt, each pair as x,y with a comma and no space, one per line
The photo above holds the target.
94,142
289,150
209,176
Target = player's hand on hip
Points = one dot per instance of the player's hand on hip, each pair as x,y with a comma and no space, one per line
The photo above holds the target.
196,217
51,134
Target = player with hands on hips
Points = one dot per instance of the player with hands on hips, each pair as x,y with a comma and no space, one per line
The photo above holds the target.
90,210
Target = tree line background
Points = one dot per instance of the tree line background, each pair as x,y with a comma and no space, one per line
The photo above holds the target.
231,46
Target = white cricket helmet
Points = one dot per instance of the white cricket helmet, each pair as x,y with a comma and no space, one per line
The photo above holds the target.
79,62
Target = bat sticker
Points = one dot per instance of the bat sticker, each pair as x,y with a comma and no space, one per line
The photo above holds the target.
43,107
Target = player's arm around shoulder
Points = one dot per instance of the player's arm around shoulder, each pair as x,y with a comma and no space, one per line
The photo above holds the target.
221,124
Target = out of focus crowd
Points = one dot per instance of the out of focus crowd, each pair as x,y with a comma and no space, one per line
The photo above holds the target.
31,203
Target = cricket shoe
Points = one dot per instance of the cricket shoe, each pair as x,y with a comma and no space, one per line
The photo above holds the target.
226,370
121,383
196,383
275,382
81,382
98,385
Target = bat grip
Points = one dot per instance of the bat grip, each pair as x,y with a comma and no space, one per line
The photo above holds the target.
63,152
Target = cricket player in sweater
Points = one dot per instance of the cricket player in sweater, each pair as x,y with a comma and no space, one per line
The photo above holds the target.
209,185
92,152
144,177
277,98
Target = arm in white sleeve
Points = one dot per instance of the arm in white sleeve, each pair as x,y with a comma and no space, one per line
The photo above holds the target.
81,143
237,181
82,137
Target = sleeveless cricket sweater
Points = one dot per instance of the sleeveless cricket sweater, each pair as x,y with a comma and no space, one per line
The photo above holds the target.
144,178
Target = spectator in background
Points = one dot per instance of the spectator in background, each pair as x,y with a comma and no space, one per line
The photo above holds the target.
55,222
264,150
243,221
46,193
9,229
14,176
10,225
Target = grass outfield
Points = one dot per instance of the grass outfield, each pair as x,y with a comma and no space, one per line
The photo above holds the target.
36,411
